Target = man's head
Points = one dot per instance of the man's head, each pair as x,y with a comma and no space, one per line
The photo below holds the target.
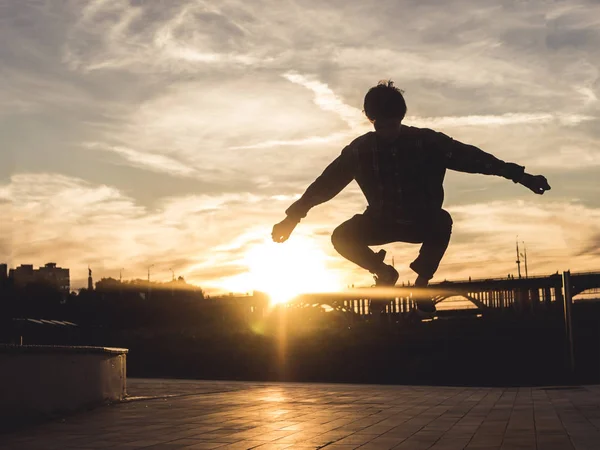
385,107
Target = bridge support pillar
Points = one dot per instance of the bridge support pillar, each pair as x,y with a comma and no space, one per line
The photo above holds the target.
558,294
568,302
519,300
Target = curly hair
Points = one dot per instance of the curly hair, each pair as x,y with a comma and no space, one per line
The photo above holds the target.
384,101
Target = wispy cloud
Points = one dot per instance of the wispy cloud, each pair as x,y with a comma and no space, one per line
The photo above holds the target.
177,36
327,100
569,156
144,160
505,119
300,142
176,132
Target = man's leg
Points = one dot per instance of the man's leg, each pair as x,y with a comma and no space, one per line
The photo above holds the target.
436,231
353,238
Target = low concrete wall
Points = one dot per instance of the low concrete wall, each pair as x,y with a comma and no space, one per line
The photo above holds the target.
43,380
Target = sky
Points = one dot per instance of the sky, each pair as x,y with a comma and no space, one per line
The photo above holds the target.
175,134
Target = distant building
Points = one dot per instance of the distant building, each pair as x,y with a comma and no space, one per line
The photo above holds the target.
3,273
22,275
56,276
49,274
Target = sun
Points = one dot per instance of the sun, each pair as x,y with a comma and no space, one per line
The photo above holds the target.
284,271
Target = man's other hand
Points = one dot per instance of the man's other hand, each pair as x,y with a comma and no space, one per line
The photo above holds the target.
536,183
282,230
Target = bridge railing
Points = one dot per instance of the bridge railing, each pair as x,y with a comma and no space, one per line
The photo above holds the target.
526,295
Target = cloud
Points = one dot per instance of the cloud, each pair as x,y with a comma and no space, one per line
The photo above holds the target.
501,120
76,223
179,125
206,238
593,247
178,132
158,163
558,234
570,156
175,36
301,142
327,100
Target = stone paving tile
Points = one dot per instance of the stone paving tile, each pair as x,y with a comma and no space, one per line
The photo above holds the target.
182,414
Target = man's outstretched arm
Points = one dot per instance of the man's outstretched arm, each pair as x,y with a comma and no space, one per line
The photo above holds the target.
330,183
468,158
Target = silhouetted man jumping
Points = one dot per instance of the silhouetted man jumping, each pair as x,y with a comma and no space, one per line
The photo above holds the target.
400,169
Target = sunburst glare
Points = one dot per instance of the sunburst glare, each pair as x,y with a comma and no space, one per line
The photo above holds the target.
286,270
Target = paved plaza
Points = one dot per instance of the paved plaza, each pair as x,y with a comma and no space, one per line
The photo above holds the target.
174,414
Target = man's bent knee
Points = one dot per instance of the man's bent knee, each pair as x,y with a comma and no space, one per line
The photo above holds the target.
339,238
443,222
348,233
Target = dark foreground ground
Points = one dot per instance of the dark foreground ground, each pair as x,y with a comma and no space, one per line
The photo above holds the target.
172,337
495,350
173,414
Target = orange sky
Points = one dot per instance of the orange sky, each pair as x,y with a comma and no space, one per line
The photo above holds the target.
175,136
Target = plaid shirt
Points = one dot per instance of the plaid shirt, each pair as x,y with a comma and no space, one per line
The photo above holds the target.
403,179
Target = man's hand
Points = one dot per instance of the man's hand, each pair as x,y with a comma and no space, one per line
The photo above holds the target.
282,230
536,183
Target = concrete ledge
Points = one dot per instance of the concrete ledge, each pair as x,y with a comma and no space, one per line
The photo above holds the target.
44,380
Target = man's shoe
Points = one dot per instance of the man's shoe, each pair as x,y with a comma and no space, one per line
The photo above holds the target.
423,276
421,281
386,277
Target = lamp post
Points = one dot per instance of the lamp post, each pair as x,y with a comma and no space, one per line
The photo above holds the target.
149,267
568,304
518,260
525,256
172,282
121,281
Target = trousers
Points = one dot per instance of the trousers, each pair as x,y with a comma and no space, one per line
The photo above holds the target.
352,239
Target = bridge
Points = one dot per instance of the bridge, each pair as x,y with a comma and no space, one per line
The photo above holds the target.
521,294
527,296
503,291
